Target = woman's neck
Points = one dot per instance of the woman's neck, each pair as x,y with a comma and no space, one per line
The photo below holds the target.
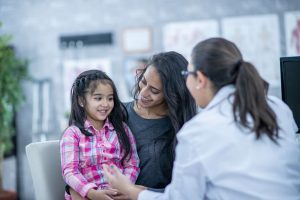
156,112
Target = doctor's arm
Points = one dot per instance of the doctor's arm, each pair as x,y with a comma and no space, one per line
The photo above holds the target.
188,179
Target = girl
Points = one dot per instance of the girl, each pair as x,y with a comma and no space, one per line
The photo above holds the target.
96,135
242,145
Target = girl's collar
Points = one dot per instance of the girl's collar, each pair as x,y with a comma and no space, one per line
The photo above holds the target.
107,125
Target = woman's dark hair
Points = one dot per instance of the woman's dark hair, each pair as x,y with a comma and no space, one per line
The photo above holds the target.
87,82
181,105
221,61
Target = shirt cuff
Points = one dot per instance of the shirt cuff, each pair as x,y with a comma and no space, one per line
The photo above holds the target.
84,190
148,195
160,190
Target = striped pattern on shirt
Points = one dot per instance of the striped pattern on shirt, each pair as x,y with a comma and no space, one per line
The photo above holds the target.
82,157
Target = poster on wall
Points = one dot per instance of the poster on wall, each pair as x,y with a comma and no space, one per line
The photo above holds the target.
72,68
133,67
258,39
183,36
137,40
292,33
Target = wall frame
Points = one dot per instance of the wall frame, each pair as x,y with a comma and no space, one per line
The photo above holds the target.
137,40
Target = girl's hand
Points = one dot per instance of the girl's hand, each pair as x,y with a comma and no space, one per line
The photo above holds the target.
120,196
101,194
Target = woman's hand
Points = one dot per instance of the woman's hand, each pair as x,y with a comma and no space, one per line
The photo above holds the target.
116,179
120,182
101,194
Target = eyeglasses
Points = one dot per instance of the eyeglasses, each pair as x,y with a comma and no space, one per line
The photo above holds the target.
185,73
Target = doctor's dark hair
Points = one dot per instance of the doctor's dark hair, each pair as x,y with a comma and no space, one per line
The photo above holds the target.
86,83
181,105
221,61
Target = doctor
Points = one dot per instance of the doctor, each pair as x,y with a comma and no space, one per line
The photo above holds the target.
241,146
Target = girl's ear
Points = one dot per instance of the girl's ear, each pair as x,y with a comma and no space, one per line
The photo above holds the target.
80,101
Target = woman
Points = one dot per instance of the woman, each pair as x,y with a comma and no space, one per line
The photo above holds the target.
162,105
241,146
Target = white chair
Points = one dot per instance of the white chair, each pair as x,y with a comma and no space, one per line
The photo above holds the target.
44,163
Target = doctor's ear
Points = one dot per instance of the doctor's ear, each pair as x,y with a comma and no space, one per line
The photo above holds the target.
202,80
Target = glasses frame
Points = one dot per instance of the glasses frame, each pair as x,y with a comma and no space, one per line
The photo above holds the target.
186,73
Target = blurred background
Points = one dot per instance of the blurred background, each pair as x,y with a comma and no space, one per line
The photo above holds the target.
61,38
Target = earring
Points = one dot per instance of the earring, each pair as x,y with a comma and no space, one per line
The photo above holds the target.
197,87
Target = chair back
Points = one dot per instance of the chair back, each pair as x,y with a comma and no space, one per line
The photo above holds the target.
45,167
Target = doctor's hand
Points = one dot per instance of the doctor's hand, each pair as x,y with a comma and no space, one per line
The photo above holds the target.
120,182
116,179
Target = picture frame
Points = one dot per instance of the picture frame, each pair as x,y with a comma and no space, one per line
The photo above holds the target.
137,40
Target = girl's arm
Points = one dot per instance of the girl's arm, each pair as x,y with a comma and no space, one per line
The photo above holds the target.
69,151
131,166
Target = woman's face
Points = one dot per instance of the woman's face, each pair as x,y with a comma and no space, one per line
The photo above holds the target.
199,87
151,93
191,83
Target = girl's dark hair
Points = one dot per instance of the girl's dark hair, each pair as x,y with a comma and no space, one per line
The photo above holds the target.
221,61
181,105
87,82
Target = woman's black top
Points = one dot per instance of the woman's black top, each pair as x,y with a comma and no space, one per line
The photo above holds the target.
155,147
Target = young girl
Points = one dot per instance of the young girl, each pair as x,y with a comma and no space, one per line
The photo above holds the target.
96,135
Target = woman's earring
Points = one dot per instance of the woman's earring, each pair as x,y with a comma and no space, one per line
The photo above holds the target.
197,87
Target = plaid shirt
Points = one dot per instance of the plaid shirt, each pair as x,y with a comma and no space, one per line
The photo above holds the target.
82,157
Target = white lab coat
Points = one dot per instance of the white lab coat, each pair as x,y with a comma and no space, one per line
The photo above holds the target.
216,159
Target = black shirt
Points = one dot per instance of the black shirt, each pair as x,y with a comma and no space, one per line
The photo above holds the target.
154,138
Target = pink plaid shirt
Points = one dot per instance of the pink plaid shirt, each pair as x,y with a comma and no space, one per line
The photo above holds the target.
82,157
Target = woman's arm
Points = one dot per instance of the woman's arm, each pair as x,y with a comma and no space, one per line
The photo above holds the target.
188,179
120,182
94,194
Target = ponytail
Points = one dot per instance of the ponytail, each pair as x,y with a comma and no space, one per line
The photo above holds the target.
222,62
250,98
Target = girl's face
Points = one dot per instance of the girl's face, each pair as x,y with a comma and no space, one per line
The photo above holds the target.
151,94
99,104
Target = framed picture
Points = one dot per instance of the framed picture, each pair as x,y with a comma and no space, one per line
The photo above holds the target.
183,36
265,51
292,33
73,67
137,40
